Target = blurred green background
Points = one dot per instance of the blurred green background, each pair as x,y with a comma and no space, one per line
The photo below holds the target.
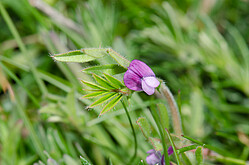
199,47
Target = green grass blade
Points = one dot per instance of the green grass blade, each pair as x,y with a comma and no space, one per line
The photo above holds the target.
84,161
20,43
33,136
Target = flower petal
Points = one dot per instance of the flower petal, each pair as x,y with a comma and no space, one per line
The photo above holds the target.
151,81
132,81
147,89
170,150
151,151
141,69
153,158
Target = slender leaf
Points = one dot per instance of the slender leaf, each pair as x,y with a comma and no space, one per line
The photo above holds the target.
94,94
110,69
187,148
103,99
110,161
186,159
95,52
51,161
163,115
144,126
111,104
84,161
76,56
114,81
103,82
51,108
90,54
92,85
118,58
69,160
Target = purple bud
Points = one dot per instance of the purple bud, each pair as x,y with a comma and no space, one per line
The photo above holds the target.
140,77
170,150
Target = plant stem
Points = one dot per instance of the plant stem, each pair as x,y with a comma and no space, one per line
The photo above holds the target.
173,146
165,149
188,148
177,124
133,131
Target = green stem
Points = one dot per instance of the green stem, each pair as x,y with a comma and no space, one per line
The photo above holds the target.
218,150
133,131
165,149
188,148
21,45
173,146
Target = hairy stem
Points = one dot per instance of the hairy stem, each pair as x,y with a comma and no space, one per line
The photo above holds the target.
177,124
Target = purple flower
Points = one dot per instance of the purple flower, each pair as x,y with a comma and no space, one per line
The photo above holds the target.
155,157
139,77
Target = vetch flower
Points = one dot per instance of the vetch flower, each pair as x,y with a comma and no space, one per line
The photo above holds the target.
155,157
139,77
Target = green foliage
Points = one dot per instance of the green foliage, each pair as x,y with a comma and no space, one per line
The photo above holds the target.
84,55
109,88
90,54
197,47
